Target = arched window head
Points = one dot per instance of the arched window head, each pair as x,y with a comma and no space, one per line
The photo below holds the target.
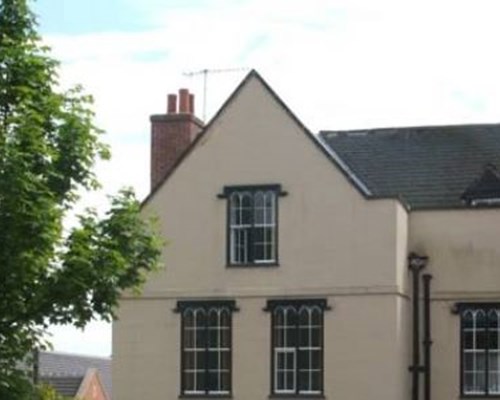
480,338
297,343
206,347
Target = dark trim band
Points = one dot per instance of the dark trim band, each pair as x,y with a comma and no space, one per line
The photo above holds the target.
227,190
183,304
458,308
272,304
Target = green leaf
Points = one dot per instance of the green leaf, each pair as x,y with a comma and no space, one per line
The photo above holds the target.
48,147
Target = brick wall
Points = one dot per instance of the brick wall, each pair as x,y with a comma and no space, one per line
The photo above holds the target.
171,135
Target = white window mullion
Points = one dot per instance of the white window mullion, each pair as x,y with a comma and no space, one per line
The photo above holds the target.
252,226
297,362
497,350
310,345
219,355
474,357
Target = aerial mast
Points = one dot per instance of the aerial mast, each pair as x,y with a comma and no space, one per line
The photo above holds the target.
205,73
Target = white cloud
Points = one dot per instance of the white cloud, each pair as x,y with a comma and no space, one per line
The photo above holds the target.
95,339
338,64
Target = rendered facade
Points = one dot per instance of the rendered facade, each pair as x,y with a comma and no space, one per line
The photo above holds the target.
287,271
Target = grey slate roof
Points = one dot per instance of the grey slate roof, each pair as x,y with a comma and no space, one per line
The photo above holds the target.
427,167
65,369
485,188
64,385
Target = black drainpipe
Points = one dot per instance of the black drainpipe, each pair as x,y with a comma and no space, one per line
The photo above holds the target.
427,336
416,263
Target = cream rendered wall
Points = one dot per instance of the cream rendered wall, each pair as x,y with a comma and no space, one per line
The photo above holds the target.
464,251
332,243
361,349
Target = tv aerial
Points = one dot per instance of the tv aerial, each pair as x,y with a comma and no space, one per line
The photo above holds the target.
208,71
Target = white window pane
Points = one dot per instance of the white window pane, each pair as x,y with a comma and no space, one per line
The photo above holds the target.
480,319
493,361
316,383
480,381
213,360
189,360
298,363
225,318
290,380
270,207
189,381
480,360
200,380
206,363
304,381
188,316
280,381
468,338
494,382
467,319
259,208
234,206
239,245
468,362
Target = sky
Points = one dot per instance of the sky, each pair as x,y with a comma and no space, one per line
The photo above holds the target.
338,64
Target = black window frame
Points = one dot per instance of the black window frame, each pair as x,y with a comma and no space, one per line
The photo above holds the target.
296,304
460,309
205,305
252,262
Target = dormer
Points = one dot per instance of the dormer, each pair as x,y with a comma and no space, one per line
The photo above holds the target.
484,191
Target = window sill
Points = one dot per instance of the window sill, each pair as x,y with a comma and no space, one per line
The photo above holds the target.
296,396
480,396
257,265
205,396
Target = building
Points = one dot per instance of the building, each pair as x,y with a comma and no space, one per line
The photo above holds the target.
294,261
76,376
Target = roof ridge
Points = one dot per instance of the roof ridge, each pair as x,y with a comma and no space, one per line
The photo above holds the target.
63,353
254,74
394,129
65,374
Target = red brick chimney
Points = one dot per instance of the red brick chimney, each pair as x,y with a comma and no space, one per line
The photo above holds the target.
171,134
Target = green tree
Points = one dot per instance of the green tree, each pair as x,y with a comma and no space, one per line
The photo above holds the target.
48,146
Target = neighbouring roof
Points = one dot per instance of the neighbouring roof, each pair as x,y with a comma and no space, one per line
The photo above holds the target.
64,385
65,371
427,167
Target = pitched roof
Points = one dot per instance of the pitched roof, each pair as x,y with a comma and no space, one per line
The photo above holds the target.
66,369
64,385
428,167
253,74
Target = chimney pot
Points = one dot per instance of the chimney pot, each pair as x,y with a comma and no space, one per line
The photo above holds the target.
191,103
172,104
172,134
184,101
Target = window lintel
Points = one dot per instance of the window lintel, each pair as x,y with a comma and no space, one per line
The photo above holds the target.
460,307
205,304
227,190
296,396
296,303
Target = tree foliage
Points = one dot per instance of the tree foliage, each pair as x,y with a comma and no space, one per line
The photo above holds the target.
48,146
